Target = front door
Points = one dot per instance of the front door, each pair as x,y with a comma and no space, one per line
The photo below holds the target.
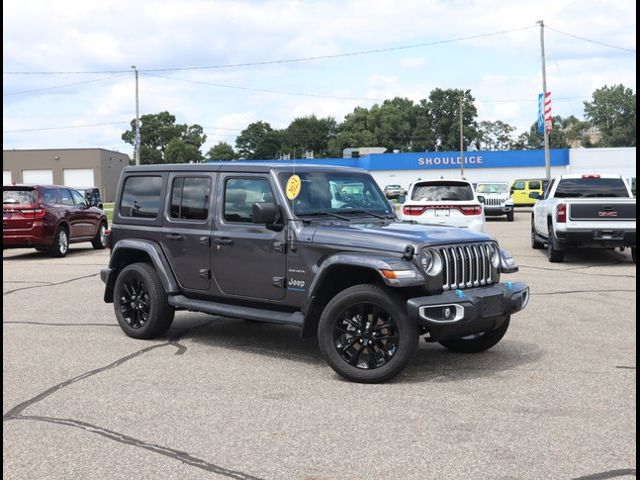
519,193
186,236
249,260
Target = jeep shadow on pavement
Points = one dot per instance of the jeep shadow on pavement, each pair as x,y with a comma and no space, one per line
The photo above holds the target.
312,246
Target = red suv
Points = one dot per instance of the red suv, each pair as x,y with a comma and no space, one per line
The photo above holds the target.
48,218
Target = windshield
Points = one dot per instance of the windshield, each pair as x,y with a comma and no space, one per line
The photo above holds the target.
492,188
591,188
19,197
442,191
336,192
393,186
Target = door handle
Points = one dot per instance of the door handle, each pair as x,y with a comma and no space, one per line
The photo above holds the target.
223,241
175,236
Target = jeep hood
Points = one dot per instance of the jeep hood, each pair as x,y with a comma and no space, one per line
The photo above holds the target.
392,236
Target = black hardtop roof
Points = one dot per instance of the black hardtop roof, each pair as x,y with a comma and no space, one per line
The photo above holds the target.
247,167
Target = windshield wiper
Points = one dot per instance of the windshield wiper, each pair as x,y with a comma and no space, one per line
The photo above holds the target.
368,212
323,212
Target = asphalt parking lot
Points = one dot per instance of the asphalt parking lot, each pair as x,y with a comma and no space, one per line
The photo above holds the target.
222,398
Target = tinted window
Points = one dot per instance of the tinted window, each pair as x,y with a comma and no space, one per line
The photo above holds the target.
77,198
439,191
190,198
141,197
518,186
18,196
239,196
49,196
65,197
591,188
535,185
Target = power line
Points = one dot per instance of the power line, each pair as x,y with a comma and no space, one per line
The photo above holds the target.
281,61
265,90
22,92
87,125
633,50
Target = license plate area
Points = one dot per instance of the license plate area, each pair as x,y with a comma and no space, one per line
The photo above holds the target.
442,212
608,235
491,306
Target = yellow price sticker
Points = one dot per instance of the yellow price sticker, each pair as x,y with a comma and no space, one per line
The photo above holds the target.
293,187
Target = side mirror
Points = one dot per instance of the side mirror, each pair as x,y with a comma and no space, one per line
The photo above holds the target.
264,213
535,195
480,198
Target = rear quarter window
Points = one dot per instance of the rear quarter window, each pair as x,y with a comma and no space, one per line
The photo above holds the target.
141,197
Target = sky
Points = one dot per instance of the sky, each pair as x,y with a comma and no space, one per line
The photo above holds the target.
491,47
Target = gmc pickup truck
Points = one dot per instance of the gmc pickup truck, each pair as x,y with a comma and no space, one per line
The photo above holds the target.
584,211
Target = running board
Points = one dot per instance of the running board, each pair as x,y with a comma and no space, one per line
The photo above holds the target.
235,311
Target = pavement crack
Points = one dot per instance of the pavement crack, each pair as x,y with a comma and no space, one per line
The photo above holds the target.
181,456
609,474
55,324
568,292
4,294
575,272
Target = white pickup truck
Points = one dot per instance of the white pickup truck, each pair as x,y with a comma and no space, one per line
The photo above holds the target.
578,211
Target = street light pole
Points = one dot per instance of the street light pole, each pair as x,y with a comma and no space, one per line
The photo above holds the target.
547,153
461,139
137,138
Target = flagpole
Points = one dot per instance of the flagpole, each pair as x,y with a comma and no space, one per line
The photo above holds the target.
547,153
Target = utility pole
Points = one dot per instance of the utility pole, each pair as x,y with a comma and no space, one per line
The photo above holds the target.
461,139
137,139
547,153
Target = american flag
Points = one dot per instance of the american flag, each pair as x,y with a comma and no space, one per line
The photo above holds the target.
544,112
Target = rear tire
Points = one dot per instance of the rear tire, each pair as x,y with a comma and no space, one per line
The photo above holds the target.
140,302
535,243
555,255
100,240
477,343
365,334
60,245
510,216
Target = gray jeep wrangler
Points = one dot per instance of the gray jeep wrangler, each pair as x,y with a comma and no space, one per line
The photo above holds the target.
313,246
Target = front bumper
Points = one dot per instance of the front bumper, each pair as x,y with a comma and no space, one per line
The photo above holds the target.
455,314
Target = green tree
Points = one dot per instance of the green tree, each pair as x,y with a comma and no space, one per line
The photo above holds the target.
259,141
613,111
221,151
158,131
444,113
534,140
393,123
423,138
353,132
309,133
496,135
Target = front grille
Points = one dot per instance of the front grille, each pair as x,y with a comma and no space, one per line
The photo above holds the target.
466,266
493,202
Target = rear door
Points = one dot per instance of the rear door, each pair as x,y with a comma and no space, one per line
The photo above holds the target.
71,213
188,228
87,219
519,193
249,260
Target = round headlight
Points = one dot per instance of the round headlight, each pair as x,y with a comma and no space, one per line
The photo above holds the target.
431,262
495,256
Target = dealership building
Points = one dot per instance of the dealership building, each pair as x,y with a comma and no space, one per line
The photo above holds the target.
405,168
71,167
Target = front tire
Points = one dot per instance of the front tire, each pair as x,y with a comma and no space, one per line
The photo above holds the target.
140,302
60,245
510,216
477,343
365,334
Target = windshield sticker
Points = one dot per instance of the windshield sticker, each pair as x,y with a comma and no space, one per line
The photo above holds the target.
294,185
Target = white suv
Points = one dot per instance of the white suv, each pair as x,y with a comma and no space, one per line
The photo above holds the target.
496,199
444,202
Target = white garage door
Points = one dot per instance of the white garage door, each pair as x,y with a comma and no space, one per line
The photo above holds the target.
43,177
78,177
6,177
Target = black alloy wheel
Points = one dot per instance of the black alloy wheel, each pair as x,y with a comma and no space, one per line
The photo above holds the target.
135,305
366,336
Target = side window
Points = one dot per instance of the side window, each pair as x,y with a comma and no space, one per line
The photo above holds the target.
240,194
65,197
49,196
190,198
518,186
77,198
537,185
141,197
